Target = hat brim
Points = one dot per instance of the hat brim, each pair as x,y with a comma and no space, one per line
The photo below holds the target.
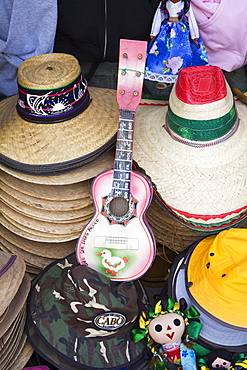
208,288
16,305
42,249
115,350
89,171
52,196
214,332
36,235
10,280
23,356
191,181
50,148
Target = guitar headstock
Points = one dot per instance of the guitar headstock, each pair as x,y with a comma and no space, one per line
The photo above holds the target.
132,59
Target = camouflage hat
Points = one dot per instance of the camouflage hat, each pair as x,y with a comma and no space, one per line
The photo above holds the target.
84,318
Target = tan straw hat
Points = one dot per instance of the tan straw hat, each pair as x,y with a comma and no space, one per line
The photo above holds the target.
12,271
38,249
55,193
195,151
89,171
16,305
57,123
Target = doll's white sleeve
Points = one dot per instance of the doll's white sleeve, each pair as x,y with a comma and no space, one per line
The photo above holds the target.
194,32
158,18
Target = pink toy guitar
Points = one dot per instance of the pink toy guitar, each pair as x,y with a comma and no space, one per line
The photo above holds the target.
118,241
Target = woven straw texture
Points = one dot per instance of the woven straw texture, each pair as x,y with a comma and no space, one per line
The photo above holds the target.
23,356
61,193
46,204
45,144
47,250
16,273
39,144
204,181
15,286
48,71
170,233
42,216
103,163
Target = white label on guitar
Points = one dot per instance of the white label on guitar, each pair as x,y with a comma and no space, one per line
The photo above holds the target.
116,243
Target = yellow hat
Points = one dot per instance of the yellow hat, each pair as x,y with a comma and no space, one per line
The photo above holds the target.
217,276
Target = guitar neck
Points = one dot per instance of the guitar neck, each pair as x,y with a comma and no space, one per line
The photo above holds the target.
132,56
123,157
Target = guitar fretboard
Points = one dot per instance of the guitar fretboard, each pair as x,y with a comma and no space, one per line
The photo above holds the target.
123,157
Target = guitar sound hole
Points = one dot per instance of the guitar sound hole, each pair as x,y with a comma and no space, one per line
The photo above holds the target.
119,206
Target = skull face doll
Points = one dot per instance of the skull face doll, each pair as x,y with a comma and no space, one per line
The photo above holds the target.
169,332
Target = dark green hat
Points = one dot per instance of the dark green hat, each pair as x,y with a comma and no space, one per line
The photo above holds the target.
81,317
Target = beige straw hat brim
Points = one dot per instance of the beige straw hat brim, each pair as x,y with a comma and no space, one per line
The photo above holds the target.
168,231
29,258
52,215
36,235
2,317
48,204
12,338
15,350
10,280
42,249
50,226
24,355
86,172
8,335
57,193
45,144
16,305
192,179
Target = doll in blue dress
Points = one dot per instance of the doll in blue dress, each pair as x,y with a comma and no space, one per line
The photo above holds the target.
175,43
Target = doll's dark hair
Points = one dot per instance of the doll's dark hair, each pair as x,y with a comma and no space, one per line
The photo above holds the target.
181,15
221,353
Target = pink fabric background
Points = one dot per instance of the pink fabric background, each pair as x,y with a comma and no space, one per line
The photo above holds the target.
223,28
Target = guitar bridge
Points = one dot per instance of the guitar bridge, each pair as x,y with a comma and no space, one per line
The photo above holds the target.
116,243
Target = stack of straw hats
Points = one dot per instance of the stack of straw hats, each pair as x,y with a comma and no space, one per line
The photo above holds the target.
56,136
195,151
15,351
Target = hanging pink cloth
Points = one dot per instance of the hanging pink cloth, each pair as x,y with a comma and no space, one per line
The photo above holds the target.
223,28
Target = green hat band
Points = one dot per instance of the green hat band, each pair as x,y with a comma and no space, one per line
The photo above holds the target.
201,130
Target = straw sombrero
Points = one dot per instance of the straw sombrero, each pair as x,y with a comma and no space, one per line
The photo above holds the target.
12,269
23,356
38,249
15,286
54,193
16,305
195,151
89,171
56,124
